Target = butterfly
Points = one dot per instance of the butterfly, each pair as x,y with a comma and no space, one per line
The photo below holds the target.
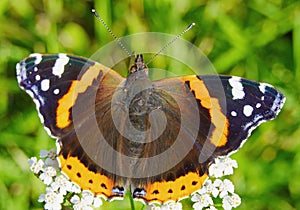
154,138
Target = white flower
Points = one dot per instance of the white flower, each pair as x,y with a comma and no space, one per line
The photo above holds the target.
230,202
75,188
236,200
201,201
97,202
80,204
224,187
174,206
203,189
52,200
87,197
152,207
35,165
228,186
229,164
48,153
86,202
75,199
50,158
210,188
47,175
168,206
221,188
62,184
222,166
216,170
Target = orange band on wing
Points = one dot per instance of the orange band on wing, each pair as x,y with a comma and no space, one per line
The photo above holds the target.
219,134
77,87
86,179
161,192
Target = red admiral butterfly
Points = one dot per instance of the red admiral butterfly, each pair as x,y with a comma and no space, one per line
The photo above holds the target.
101,118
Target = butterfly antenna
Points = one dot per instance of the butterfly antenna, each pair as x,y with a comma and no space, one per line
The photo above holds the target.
171,42
111,32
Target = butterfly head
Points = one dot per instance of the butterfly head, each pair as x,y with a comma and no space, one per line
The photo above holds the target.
139,65
138,75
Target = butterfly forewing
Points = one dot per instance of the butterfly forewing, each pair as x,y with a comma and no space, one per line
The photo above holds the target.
54,82
246,105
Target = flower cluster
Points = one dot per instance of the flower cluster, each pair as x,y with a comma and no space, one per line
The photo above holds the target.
61,191
222,167
59,188
215,188
222,189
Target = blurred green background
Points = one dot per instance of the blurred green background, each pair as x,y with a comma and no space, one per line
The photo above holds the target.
255,39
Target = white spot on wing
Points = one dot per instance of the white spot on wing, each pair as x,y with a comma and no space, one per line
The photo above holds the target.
56,91
38,58
258,105
37,77
45,84
262,87
18,68
248,110
237,88
233,113
59,66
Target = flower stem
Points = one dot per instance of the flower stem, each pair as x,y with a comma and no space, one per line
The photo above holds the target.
131,202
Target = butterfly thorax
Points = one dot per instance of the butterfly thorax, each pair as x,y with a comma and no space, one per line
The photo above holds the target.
139,95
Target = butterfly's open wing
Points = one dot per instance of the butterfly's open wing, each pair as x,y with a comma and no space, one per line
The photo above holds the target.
67,90
228,109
